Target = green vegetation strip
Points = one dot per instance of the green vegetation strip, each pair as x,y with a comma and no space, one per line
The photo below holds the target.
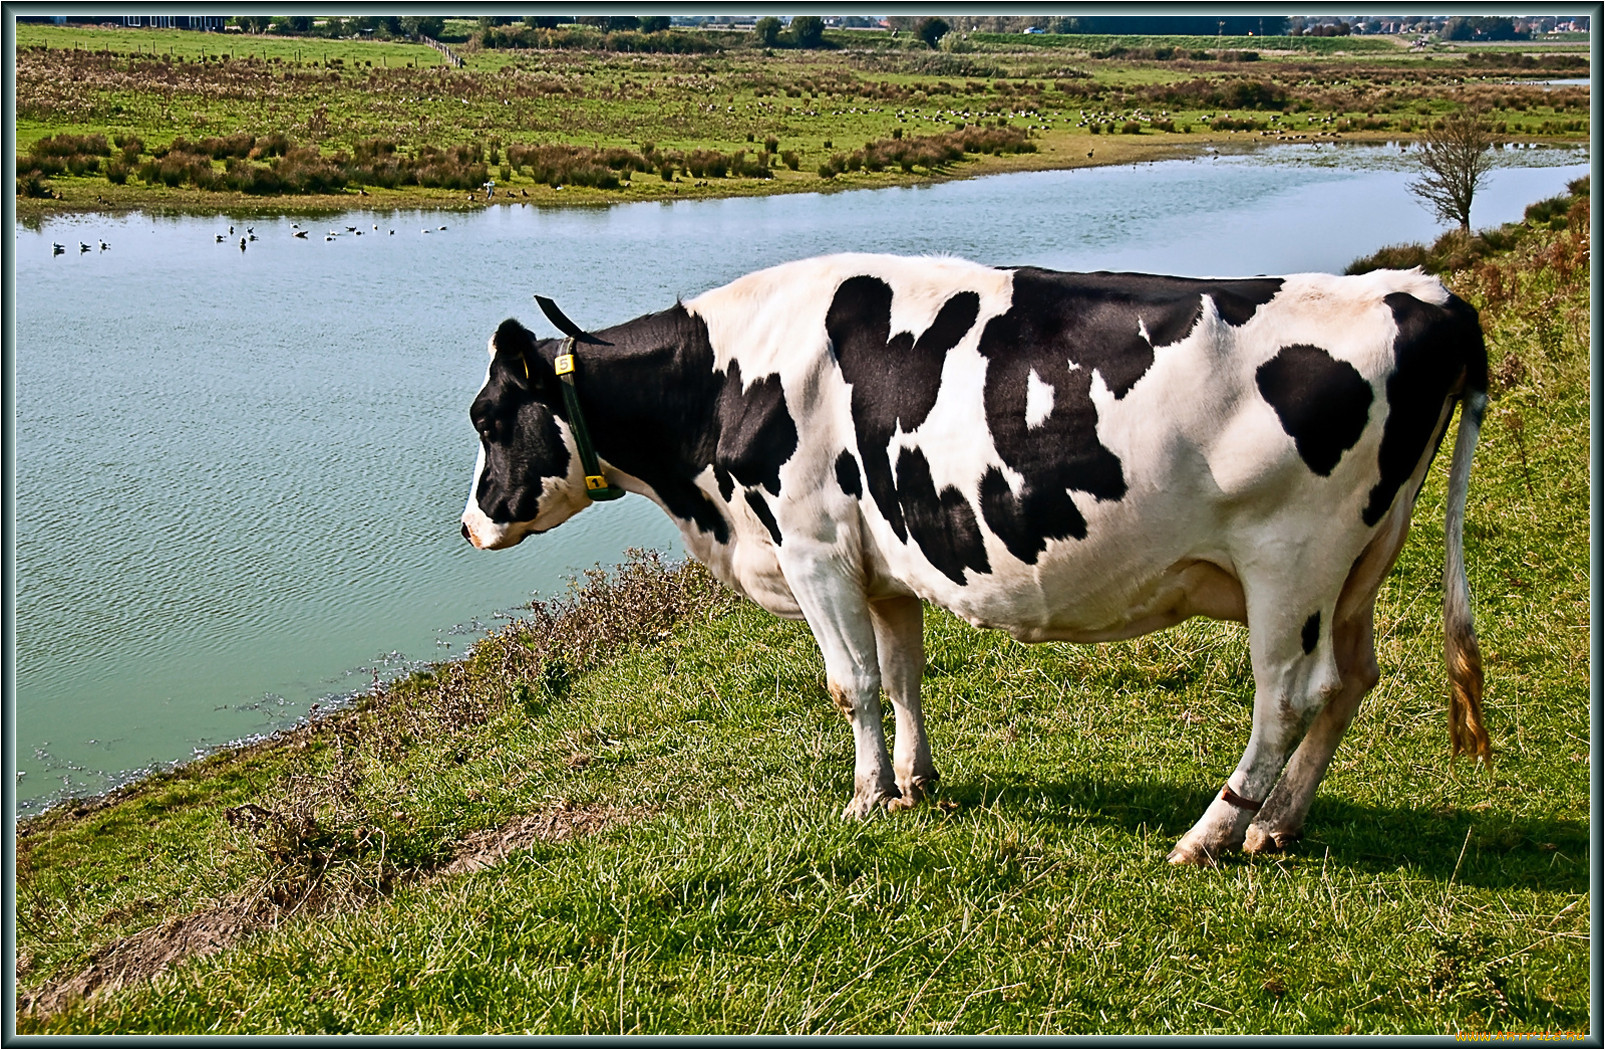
621,813
324,121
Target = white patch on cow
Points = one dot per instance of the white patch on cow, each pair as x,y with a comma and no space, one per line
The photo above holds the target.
1038,400
1142,330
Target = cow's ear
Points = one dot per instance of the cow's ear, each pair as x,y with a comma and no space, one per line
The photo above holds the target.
513,347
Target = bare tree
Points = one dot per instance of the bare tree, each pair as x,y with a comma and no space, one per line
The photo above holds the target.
1454,159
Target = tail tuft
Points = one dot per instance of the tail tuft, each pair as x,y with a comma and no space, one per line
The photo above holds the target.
1460,650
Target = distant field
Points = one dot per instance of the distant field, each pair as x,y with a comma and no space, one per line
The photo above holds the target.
214,47
1094,42
781,119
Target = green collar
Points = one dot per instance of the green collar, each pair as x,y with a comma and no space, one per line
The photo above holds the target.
596,485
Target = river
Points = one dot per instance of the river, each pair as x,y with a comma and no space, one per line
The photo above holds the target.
239,472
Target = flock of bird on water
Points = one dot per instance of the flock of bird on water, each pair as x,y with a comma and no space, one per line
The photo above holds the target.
250,235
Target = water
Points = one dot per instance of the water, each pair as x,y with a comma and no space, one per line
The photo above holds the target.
238,474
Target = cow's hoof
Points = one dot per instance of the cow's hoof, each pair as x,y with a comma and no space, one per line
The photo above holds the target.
1259,840
914,792
862,806
1186,855
896,805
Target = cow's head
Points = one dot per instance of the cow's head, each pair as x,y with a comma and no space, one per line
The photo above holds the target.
528,478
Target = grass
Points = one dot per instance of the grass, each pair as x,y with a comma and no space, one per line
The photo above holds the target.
621,814
332,97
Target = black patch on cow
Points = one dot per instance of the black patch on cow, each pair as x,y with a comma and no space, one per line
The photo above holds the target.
1237,301
1066,327
1311,633
756,433
894,376
755,500
1323,403
1437,349
518,430
941,523
847,474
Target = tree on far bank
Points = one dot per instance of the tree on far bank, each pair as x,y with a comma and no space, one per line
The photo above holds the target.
808,30
932,30
767,31
422,26
1454,157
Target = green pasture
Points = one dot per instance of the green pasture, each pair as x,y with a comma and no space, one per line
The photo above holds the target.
338,95
214,47
622,814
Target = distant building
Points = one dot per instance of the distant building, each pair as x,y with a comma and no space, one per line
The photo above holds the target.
206,23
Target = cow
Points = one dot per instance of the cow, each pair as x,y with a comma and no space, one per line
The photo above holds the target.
1064,456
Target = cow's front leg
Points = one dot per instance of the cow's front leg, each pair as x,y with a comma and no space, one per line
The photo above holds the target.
833,602
900,644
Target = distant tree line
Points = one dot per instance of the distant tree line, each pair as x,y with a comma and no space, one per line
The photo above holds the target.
1120,25
383,27
805,31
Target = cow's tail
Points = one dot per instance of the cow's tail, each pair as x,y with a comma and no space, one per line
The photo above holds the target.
1461,654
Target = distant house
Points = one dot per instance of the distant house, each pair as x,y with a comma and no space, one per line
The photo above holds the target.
205,23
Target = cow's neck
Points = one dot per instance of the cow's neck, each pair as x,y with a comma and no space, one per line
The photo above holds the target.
649,401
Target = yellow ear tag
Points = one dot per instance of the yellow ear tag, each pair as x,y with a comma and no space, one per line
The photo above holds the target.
526,366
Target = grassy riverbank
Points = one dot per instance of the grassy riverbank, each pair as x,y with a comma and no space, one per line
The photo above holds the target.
165,119
622,814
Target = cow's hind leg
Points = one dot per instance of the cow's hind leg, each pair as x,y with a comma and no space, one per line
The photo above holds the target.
900,643
1295,674
1281,820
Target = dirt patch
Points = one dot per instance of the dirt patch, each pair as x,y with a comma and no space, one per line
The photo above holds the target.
560,823
143,955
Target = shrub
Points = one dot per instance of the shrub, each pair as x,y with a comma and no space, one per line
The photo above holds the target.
70,145
274,144
33,185
236,145
176,168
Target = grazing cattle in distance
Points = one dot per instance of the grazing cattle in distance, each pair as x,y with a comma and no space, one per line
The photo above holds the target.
1077,457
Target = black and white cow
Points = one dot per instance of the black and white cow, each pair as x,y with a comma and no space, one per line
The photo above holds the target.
1077,457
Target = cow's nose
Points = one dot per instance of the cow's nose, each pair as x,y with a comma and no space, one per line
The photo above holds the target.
467,537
